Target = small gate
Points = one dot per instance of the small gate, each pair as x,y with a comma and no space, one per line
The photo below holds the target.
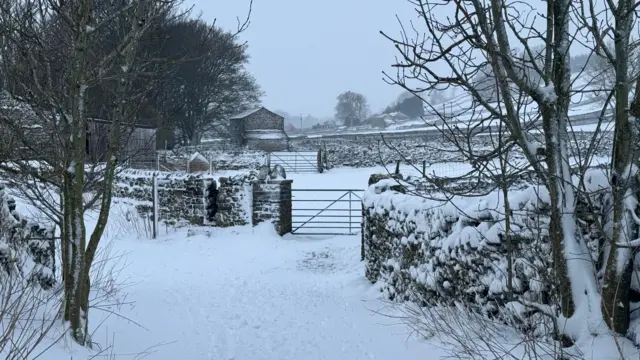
296,162
326,211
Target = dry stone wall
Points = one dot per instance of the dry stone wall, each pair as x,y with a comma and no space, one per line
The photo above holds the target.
204,199
223,157
357,152
372,151
27,249
196,199
234,201
434,253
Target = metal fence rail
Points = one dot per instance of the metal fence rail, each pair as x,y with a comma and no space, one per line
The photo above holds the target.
326,211
295,162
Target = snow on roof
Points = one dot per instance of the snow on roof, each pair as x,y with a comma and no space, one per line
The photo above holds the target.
197,155
265,135
244,114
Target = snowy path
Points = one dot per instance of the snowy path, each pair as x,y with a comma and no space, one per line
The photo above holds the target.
247,294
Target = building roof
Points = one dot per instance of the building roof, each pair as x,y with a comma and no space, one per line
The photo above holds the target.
388,118
244,114
265,135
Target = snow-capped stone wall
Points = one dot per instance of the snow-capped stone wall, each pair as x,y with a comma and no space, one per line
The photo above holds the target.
355,151
204,199
223,157
27,249
437,252
187,198
373,151
181,195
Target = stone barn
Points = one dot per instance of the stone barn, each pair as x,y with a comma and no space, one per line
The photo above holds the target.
259,129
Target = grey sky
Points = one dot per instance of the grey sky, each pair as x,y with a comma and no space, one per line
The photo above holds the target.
304,53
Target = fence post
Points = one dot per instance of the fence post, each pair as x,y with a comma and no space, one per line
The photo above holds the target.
424,168
325,159
350,232
362,229
155,206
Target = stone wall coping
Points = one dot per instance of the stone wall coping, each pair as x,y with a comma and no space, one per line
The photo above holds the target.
282,181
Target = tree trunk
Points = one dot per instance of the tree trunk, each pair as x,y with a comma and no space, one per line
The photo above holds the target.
76,307
619,267
554,107
556,230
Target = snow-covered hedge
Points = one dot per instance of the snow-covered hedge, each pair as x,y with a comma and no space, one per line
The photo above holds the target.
27,249
440,252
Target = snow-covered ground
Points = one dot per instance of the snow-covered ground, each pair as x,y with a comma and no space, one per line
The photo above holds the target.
245,293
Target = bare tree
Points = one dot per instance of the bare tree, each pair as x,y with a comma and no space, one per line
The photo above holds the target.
602,74
409,104
619,61
59,104
352,108
210,83
454,49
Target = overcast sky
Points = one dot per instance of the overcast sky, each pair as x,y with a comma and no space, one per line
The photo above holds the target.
304,53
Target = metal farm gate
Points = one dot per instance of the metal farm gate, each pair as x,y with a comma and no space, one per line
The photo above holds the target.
296,162
326,211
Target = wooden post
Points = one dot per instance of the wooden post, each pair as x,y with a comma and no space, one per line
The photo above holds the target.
319,161
424,168
397,168
155,206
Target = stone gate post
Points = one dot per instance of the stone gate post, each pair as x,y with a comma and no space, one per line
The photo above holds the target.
272,202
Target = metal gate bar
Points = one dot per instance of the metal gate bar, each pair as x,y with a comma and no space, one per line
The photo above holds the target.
345,208
295,162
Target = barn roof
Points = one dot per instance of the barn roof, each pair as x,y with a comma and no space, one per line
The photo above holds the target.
244,114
